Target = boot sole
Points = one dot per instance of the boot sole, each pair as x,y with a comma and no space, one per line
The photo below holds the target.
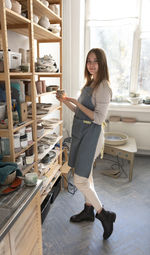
78,221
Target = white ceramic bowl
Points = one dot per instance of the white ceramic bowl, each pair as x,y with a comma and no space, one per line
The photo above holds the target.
134,100
31,179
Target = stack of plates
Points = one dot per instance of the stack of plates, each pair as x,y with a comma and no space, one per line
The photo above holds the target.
49,123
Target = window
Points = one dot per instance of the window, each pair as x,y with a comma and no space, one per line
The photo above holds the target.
116,26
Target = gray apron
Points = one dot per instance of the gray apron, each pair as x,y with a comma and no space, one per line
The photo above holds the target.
85,136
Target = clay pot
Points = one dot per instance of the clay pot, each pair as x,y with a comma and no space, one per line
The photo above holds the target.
44,22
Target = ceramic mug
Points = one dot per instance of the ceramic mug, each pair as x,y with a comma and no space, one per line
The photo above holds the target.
60,93
30,179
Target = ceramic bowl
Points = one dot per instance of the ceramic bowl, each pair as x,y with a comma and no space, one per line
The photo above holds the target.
10,178
31,179
134,100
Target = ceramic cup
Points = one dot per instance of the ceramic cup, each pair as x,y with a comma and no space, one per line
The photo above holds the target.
30,179
60,92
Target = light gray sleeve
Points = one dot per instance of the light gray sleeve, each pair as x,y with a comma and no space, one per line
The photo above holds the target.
101,98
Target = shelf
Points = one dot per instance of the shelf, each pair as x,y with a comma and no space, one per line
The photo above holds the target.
46,94
12,21
28,98
42,155
50,130
15,19
27,168
46,169
45,11
46,74
27,123
50,184
19,24
5,132
7,157
2,76
41,33
52,109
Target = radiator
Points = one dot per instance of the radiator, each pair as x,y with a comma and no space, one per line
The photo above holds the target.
139,130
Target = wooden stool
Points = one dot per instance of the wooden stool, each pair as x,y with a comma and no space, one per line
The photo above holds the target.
65,169
125,151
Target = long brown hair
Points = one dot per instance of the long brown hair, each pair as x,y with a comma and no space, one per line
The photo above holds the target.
102,74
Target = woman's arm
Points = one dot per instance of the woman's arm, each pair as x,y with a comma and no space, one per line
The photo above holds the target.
84,109
70,105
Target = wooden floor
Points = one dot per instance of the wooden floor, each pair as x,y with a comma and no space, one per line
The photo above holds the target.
130,201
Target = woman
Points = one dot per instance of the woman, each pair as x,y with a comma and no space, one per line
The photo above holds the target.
88,138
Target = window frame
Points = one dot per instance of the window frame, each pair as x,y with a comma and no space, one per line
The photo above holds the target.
136,47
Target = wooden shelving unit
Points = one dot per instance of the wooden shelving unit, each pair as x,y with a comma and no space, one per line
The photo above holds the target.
10,20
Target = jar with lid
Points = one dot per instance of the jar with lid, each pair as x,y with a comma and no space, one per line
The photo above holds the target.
23,156
29,134
24,141
17,145
19,162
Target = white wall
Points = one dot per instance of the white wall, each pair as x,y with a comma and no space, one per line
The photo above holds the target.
73,53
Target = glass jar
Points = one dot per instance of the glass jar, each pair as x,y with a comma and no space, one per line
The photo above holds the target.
19,162
24,141
17,145
29,134
23,156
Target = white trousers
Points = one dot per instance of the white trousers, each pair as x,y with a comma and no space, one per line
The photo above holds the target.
86,185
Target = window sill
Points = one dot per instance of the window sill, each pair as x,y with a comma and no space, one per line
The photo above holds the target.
115,106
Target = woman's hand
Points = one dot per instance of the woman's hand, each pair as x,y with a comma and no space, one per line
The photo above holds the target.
61,97
72,100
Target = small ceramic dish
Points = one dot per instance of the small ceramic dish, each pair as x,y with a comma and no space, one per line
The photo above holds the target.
134,100
52,88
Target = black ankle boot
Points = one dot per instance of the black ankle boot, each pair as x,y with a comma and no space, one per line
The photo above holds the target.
107,218
86,215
